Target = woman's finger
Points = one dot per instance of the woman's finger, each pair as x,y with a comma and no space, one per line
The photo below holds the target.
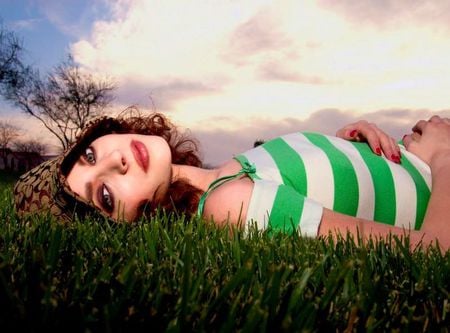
374,142
394,151
378,141
389,146
348,133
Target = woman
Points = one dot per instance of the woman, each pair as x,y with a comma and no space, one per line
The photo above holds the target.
125,167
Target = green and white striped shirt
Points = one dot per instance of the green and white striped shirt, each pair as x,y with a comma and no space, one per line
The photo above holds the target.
298,174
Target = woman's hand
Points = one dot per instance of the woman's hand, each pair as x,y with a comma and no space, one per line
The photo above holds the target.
430,141
379,141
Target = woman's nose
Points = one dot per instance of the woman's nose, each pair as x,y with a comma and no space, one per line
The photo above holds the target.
117,162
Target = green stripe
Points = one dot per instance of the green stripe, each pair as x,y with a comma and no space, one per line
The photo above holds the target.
289,163
422,191
286,210
346,191
383,182
244,160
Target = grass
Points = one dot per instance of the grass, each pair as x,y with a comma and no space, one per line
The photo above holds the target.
170,274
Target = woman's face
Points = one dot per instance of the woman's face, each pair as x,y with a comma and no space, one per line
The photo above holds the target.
120,173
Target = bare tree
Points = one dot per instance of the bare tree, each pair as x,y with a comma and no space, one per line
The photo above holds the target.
10,57
31,146
64,101
8,133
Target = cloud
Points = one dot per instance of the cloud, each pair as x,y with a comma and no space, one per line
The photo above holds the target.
162,95
206,49
395,122
279,71
266,45
170,56
167,95
28,24
263,60
392,12
259,35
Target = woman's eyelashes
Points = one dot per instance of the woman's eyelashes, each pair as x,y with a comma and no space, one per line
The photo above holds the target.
89,155
104,195
105,198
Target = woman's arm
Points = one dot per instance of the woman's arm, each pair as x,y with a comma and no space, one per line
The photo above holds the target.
437,217
334,224
221,208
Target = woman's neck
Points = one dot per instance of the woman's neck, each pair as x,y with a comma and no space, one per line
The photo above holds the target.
202,178
198,177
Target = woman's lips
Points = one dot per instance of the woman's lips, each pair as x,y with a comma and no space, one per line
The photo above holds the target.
140,154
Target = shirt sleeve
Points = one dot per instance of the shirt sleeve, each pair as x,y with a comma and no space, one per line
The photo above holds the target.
281,208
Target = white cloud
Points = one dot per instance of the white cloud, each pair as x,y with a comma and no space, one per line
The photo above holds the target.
239,45
390,14
251,61
27,24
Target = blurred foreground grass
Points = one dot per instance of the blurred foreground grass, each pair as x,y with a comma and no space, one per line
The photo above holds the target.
169,274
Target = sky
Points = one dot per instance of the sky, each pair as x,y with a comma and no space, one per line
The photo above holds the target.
232,72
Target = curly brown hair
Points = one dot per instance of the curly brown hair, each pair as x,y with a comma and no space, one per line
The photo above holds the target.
181,197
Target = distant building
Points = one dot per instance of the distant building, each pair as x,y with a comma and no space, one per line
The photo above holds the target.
20,161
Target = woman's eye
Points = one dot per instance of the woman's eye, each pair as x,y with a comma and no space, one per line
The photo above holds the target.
89,155
107,199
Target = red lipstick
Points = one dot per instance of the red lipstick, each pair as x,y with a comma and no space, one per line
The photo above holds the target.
140,154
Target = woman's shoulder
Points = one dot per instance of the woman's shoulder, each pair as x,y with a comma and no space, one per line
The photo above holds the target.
228,203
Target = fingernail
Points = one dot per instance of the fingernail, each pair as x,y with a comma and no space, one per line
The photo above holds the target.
395,158
352,133
378,151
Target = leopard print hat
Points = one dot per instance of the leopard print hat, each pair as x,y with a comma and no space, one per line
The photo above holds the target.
44,189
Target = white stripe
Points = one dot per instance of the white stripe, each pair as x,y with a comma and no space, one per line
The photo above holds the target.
420,165
265,165
366,191
311,218
319,175
405,196
261,202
